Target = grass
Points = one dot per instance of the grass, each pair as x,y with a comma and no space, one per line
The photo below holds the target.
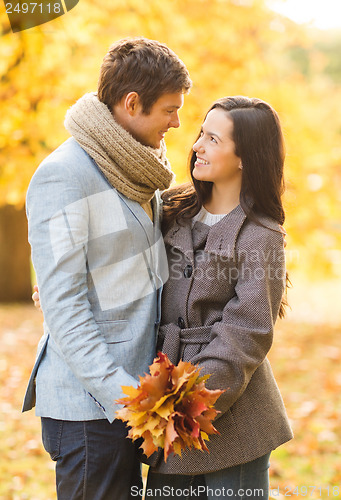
305,357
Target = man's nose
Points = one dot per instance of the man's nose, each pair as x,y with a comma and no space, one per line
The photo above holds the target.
175,122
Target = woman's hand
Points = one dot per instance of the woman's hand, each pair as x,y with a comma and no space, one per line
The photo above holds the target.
36,298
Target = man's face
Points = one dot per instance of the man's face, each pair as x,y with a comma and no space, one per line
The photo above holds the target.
150,129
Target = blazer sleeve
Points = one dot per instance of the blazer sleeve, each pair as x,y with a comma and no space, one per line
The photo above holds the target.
58,222
241,340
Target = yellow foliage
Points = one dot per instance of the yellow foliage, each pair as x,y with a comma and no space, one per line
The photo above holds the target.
230,47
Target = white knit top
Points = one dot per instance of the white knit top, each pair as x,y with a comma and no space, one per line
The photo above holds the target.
206,217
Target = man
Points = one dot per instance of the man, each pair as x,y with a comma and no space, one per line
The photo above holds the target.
93,212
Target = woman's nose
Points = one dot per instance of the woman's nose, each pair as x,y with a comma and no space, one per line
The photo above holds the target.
198,145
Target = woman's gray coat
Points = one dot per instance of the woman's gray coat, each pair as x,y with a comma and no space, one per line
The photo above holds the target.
220,304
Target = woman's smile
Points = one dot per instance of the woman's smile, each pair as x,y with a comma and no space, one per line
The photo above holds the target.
200,162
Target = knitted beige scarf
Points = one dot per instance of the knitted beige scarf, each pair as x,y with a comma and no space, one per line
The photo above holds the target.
135,170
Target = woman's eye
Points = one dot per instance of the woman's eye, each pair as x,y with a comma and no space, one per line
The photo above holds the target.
213,140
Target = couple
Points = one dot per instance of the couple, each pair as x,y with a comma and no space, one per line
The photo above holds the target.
94,213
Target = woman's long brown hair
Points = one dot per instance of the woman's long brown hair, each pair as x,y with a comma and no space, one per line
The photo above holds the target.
259,144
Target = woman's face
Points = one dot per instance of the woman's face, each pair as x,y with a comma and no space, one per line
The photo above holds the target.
215,150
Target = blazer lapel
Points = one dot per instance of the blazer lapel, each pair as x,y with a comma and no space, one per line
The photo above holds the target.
157,211
155,253
141,216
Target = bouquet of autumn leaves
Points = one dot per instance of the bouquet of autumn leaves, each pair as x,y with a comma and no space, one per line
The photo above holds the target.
171,408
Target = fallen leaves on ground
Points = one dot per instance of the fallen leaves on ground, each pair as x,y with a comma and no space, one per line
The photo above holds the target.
306,360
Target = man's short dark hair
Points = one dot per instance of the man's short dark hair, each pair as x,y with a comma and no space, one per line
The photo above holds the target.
144,66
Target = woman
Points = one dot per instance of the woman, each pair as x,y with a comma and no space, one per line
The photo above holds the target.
227,277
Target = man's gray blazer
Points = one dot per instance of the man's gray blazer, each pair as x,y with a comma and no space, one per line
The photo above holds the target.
100,264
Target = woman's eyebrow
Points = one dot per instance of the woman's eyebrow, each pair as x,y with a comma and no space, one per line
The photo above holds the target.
207,132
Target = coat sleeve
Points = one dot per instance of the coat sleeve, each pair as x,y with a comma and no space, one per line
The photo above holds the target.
241,340
58,221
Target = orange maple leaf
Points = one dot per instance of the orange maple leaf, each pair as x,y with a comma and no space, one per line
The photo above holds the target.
171,408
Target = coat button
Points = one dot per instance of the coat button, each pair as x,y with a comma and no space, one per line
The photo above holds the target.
181,323
188,271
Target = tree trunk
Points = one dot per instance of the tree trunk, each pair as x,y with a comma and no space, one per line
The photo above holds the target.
15,272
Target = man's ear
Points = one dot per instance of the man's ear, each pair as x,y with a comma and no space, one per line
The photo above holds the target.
131,102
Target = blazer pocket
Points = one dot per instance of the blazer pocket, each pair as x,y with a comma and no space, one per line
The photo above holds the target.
116,331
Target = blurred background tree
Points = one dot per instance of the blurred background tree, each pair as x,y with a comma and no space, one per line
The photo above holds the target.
230,47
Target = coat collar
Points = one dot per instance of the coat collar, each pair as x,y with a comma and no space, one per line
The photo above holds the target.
180,237
221,238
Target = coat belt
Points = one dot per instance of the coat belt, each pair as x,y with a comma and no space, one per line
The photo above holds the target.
171,336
